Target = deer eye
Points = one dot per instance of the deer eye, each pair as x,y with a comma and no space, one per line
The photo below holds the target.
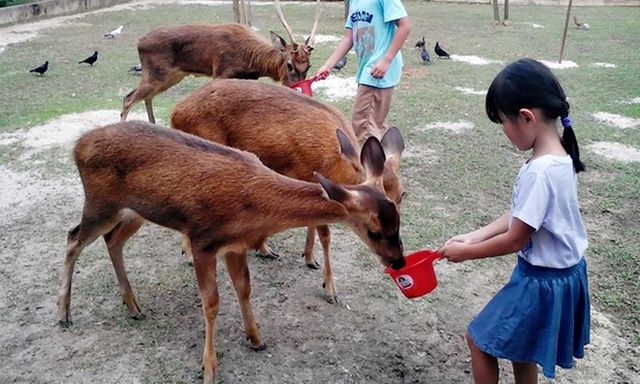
289,67
374,235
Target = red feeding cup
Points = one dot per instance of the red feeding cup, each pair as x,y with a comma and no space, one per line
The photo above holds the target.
418,277
304,85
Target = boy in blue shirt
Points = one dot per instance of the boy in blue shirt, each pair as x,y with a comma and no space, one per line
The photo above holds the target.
376,29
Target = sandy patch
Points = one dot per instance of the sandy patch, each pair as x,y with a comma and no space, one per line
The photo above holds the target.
604,65
63,130
21,192
617,121
534,25
455,127
337,88
615,151
555,65
635,100
474,60
323,39
470,91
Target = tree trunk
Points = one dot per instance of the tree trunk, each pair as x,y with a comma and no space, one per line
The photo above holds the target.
236,11
496,12
505,20
346,9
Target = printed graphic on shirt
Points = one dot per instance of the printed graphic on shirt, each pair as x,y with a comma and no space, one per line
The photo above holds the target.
364,41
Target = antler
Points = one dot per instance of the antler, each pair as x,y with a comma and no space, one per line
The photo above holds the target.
312,37
284,22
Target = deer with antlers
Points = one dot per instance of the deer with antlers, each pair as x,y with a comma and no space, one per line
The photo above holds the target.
223,199
292,134
168,54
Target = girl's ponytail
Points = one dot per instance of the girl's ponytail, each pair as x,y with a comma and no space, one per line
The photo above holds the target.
570,144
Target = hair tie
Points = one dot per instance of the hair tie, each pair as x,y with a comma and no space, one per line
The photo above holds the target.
566,122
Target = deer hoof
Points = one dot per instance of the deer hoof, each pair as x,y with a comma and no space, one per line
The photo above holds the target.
138,316
313,265
331,299
259,347
66,323
270,255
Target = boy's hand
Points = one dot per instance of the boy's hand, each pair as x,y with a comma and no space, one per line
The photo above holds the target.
323,72
453,251
380,68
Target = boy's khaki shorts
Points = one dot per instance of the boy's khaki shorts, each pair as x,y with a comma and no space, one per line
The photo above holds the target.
370,112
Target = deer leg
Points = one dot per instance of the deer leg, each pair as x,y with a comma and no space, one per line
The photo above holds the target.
309,258
264,250
329,285
148,103
90,228
186,249
206,274
239,273
115,242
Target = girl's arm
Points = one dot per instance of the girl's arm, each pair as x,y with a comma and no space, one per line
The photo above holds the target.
514,239
499,225
343,47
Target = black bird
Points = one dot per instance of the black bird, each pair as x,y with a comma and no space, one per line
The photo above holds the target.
420,43
91,59
341,63
136,69
41,69
425,55
440,52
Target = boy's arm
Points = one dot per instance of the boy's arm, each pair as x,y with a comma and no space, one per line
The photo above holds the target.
343,47
513,240
402,33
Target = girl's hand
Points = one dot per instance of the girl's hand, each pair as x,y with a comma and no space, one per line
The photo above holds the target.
323,72
454,251
464,239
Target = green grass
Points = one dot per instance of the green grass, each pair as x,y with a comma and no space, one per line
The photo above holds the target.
468,179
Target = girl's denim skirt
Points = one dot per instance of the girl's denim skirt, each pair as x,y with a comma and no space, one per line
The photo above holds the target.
541,316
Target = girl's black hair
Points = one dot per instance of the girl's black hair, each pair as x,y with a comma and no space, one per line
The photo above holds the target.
528,83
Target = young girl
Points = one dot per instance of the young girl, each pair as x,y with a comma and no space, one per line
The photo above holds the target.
542,315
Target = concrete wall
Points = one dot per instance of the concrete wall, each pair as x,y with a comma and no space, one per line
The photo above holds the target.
25,12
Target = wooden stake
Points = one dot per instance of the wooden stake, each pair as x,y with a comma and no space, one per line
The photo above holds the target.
564,34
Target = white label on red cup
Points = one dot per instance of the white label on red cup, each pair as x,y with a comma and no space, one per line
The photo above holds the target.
404,281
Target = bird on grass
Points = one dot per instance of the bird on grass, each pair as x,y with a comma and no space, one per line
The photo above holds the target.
580,24
91,59
420,43
425,55
41,69
115,33
440,52
341,63
136,69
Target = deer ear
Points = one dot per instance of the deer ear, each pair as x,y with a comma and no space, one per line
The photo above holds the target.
278,42
333,190
372,158
308,47
392,142
346,147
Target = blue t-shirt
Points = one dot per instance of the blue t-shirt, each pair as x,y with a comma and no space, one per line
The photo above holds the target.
545,197
372,23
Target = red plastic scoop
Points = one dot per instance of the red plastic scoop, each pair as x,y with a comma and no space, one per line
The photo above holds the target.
305,85
418,277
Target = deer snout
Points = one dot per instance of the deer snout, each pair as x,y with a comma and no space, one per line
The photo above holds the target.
398,264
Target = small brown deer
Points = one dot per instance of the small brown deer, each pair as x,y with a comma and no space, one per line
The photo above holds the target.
223,199
292,134
169,54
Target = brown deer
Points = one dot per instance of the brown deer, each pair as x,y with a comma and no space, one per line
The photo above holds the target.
169,54
223,199
292,134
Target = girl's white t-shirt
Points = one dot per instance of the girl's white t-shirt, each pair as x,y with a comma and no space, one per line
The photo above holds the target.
545,197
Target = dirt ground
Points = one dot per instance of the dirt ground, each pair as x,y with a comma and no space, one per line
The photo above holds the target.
372,335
